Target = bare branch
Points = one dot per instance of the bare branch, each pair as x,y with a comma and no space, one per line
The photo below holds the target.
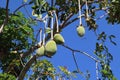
20,7
96,61
62,25
27,12
97,78
81,52
7,10
101,16
29,51
75,61
73,20
79,71
26,68
6,19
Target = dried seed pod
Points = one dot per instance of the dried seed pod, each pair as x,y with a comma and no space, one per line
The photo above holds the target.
58,38
40,51
50,48
81,31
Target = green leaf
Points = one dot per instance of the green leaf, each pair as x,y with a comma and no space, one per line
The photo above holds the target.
47,30
6,76
111,39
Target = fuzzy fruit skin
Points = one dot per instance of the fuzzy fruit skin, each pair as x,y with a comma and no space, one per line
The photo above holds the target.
58,38
81,31
50,48
40,51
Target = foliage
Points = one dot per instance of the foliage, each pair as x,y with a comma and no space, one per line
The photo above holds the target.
18,39
105,57
15,39
43,70
6,76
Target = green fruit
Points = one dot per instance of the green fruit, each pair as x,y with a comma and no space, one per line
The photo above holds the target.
40,51
50,48
58,38
81,31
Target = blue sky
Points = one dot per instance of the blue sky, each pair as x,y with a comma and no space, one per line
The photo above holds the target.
87,43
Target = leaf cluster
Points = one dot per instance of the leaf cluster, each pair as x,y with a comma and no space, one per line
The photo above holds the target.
15,38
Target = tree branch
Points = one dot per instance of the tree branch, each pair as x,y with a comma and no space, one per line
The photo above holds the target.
20,7
62,25
26,68
73,20
79,71
29,51
6,19
93,58
7,10
97,78
96,61
75,61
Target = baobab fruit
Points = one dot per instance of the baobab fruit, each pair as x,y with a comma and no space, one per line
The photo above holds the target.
58,38
50,48
81,31
40,51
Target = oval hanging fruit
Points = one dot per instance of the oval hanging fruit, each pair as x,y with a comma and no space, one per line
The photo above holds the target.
40,51
50,48
58,38
81,31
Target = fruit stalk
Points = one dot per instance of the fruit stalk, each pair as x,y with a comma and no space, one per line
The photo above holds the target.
87,15
52,26
40,37
45,27
56,21
79,12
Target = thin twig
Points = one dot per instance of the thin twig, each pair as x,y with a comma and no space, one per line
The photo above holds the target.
97,78
29,51
20,7
22,62
73,20
79,71
101,16
27,12
81,52
73,54
62,25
